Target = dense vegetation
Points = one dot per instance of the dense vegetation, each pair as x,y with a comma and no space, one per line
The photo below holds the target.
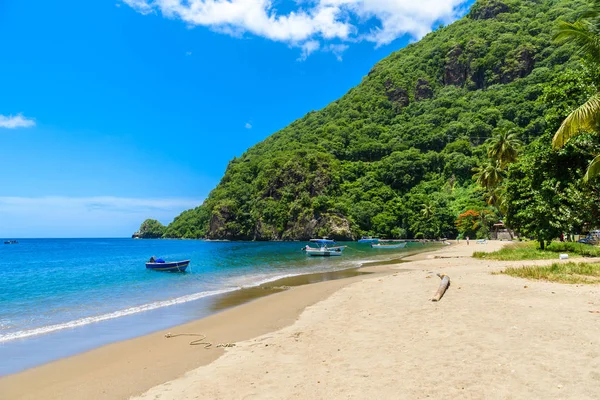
396,155
150,229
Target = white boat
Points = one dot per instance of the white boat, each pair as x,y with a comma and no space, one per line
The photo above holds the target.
323,250
389,246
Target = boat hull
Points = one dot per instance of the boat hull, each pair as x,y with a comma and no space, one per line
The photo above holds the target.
326,253
389,246
177,266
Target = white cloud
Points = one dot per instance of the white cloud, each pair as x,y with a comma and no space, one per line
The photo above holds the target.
313,24
84,216
248,125
142,6
337,50
308,48
17,121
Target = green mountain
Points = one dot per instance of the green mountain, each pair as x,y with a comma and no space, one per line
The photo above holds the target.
395,155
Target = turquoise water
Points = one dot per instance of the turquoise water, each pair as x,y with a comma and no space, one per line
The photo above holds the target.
54,292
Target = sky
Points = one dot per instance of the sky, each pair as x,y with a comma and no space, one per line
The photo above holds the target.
114,111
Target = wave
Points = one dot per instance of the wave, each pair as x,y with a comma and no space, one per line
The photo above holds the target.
249,282
116,314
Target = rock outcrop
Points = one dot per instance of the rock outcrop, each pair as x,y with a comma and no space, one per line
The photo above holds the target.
455,70
397,95
423,90
333,226
488,9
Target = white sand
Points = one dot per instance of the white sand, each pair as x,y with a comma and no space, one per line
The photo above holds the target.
490,337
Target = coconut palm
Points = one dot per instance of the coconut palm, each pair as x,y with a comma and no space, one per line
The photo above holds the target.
584,34
504,147
489,175
427,210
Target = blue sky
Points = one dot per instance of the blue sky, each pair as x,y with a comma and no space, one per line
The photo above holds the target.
115,111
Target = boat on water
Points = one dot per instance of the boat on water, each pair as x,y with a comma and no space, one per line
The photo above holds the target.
368,239
168,266
388,246
324,248
11,242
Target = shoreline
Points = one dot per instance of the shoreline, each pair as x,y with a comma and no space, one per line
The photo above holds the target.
491,336
368,336
238,315
32,347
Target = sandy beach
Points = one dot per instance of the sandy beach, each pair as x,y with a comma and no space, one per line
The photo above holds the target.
370,336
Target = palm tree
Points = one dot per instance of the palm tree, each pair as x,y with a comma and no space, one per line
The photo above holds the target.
585,35
427,210
504,147
490,175
493,197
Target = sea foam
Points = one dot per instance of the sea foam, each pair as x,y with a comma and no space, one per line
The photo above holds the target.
116,314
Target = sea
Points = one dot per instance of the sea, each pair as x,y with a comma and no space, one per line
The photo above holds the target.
60,297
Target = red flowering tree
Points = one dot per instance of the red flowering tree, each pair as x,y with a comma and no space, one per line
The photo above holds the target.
475,224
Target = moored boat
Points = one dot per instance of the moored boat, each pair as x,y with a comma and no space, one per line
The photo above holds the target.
167,266
368,239
389,246
323,250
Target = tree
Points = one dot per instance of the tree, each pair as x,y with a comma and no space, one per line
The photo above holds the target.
151,229
544,198
584,34
427,210
475,223
468,223
504,147
489,175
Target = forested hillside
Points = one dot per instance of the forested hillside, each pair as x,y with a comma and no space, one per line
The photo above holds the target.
396,155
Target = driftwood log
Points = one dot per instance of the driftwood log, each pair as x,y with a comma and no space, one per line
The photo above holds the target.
444,284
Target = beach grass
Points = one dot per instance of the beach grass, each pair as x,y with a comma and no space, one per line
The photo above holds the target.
531,251
558,272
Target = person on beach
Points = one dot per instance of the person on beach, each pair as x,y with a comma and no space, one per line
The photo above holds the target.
467,239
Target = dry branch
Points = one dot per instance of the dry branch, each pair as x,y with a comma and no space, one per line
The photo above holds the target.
444,284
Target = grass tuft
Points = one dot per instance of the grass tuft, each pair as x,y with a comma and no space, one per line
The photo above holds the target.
559,272
530,251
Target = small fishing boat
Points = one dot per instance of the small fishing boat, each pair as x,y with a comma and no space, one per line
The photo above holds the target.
169,266
389,246
11,242
323,250
368,239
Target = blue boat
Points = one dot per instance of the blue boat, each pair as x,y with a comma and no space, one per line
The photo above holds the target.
161,265
368,239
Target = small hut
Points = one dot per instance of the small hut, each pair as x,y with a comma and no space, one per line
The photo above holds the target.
500,232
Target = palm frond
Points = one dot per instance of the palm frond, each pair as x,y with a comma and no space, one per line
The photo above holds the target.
593,170
583,118
582,35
